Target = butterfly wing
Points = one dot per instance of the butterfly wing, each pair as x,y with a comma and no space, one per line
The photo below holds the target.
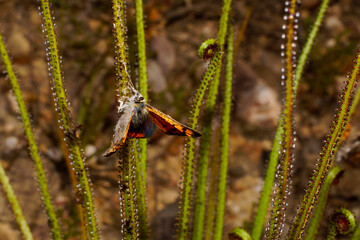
169,125
121,130
141,124
145,130
133,134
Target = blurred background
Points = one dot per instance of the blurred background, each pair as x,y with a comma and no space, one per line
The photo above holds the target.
174,31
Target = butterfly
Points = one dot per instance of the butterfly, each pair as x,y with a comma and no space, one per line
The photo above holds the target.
137,119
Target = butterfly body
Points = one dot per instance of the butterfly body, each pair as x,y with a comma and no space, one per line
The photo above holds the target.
141,125
139,120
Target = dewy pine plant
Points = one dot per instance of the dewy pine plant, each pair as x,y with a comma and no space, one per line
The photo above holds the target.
67,125
205,162
35,155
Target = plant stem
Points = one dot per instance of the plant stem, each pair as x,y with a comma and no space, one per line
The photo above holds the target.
268,184
135,200
202,173
334,174
121,46
140,186
274,156
309,43
20,219
326,156
188,172
211,197
286,157
141,166
34,151
224,140
239,234
141,49
127,160
331,235
73,142
203,165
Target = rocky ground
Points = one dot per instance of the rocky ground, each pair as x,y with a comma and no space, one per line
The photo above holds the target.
174,30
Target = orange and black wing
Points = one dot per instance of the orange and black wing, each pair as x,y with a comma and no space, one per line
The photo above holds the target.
141,126
133,134
121,131
169,125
